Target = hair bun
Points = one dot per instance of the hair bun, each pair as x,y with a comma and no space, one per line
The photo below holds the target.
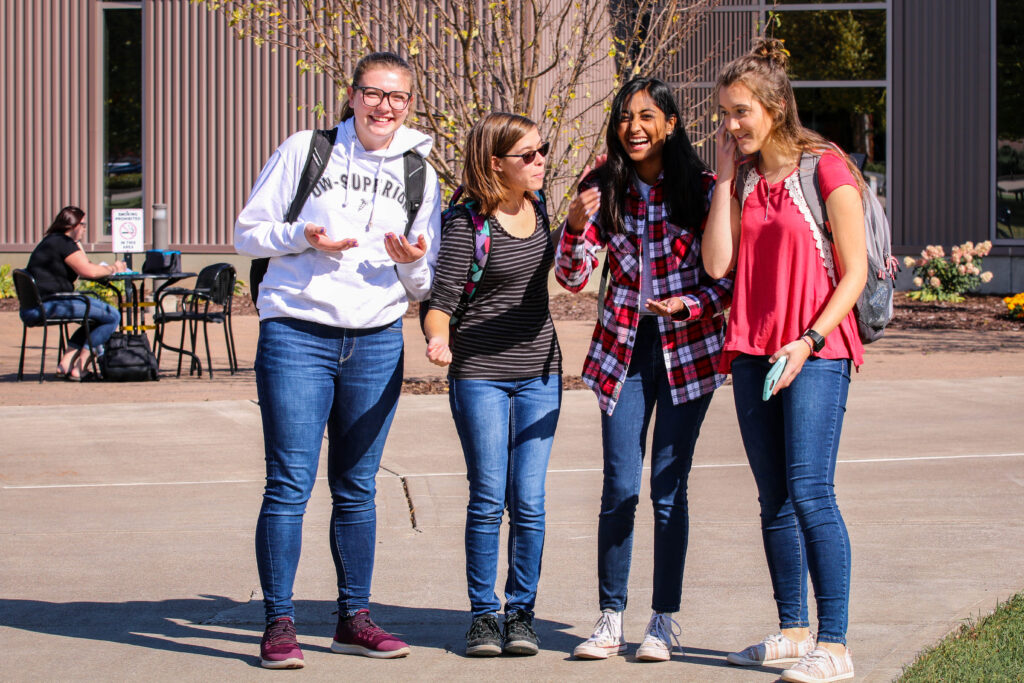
771,49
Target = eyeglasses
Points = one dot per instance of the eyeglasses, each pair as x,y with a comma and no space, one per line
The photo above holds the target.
398,99
528,157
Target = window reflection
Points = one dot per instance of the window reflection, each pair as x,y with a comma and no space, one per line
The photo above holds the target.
122,110
1009,122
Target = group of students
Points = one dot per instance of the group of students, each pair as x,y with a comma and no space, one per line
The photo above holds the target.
683,246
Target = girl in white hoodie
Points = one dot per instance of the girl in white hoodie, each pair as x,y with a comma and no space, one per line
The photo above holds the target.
330,346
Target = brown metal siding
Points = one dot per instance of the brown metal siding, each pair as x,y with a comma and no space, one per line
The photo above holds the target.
941,122
44,116
216,108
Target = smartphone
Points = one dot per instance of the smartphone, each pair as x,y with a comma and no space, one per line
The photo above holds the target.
773,377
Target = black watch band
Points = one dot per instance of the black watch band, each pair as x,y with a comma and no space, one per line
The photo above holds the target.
817,339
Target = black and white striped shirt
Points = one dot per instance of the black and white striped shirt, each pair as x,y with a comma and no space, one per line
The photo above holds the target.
506,333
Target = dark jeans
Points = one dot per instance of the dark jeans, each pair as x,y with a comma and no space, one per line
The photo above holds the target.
506,428
624,436
103,320
310,377
792,441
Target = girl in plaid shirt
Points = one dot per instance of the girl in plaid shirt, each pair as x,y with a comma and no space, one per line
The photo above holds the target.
657,342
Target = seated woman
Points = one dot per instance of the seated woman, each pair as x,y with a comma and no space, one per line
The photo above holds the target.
56,262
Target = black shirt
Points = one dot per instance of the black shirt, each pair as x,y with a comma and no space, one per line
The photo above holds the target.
506,333
47,266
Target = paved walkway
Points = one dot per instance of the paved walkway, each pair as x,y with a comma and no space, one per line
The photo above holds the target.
128,511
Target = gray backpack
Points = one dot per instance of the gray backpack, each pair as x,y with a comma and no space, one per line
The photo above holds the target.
874,307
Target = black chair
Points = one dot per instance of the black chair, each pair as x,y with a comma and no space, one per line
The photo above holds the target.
208,302
29,299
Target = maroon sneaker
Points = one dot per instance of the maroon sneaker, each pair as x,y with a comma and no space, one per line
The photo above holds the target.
279,648
358,635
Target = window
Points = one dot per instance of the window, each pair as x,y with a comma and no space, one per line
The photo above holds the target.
1009,77
122,110
838,66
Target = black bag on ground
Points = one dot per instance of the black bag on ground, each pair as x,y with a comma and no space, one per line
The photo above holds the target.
128,358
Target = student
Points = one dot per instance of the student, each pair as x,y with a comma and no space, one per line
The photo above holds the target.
330,345
504,370
794,303
56,262
656,344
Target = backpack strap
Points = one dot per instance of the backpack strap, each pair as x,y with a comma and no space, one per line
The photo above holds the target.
746,178
320,145
415,182
481,254
810,184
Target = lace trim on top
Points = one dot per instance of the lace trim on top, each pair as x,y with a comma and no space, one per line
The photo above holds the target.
824,250
749,184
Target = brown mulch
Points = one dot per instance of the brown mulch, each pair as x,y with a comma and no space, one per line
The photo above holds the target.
976,312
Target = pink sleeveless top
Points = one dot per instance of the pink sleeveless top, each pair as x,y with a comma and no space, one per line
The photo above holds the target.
782,284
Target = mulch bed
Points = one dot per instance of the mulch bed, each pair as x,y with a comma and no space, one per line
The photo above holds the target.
976,312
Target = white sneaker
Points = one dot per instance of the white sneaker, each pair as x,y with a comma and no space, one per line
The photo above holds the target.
606,640
774,649
819,666
659,635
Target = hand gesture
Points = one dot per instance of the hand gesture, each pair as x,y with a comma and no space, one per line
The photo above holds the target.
586,203
727,153
666,307
401,250
317,237
796,353
120,266
438,352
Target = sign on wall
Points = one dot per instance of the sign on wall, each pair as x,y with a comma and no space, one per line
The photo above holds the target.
126,231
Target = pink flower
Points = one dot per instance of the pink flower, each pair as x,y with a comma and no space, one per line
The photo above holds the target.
961,269
935,282
968,258
986,276
931,272
918,282
909,261
956,256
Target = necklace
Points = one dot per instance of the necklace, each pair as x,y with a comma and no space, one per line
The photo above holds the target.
781,173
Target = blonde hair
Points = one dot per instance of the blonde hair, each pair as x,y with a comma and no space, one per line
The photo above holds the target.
763,72
493,135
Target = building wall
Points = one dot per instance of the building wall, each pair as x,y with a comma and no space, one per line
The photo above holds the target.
941,129
47,110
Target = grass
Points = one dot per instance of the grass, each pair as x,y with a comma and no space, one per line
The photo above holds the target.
990,649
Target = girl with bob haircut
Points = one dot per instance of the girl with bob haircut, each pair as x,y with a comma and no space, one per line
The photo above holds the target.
330,347
656,343
504,369
794,304
57,261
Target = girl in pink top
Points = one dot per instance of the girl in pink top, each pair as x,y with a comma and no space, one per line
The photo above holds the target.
793,302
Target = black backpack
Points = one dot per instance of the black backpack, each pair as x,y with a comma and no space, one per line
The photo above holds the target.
128,358
320,146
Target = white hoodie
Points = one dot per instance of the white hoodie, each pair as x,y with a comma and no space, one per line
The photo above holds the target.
358,288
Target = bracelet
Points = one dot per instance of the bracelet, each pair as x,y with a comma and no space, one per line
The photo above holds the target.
810,344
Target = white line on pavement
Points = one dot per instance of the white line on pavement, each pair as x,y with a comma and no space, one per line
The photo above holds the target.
462,474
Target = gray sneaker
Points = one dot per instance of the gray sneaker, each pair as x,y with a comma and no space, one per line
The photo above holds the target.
484,637
519,638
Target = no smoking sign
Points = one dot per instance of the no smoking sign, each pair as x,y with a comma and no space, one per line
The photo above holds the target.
127,233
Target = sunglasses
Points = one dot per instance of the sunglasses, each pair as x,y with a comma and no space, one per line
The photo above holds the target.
528,157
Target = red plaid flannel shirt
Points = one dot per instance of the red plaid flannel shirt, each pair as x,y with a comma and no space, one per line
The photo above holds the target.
692,341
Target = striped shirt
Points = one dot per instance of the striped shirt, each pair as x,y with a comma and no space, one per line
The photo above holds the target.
506,332
692,341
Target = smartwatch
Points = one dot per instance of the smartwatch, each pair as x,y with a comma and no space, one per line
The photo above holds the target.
817,339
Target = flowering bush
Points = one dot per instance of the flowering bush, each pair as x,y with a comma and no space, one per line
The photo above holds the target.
1015,305
942,278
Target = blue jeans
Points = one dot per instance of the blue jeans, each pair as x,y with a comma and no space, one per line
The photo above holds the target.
103,320
792,441
506,428
624,437
310,377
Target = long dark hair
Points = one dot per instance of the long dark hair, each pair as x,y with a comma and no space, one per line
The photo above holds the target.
374,60
67,218
681,183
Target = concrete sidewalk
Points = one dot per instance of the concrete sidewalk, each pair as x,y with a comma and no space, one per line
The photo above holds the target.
128,513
